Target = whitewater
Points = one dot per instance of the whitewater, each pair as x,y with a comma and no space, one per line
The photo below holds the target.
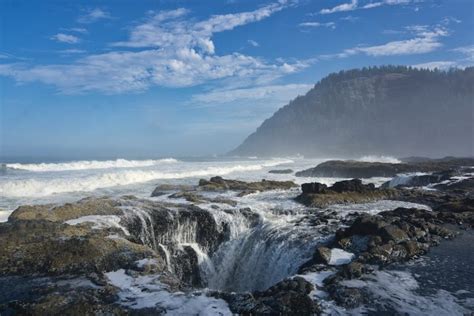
68,181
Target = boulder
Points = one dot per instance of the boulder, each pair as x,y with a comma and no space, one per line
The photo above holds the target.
322,255
393,233
313,187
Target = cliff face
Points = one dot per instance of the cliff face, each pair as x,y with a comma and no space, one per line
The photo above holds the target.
389,110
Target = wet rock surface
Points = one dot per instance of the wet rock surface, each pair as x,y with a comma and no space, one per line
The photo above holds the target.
58,259
361,169
221,184
343,192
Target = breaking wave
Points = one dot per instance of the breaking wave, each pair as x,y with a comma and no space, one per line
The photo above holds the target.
88,164
373,158
44,187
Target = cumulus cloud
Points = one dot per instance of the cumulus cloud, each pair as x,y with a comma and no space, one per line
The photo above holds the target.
93,15
425,40
173,52
65,38
355,5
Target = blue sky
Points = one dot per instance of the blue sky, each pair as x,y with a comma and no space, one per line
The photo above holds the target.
144,78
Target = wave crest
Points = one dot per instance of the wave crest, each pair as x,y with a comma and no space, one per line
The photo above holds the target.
374,158
88,164
45,187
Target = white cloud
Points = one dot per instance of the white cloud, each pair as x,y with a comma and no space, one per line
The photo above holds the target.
354,5
93,15
468,51
426,40
331,25
72,51
174,52
467,60
65,38
341,8
75,29
271,93
253,43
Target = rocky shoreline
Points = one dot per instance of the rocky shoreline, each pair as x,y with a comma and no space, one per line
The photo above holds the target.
131,256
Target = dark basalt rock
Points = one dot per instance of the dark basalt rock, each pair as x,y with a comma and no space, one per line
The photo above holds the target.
313,187
194,197
281,171
348,191
288,297
393,233
354,185
322,255
360,169
221,184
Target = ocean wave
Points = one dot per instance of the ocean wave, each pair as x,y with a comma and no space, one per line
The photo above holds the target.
45,187
88,164
373,158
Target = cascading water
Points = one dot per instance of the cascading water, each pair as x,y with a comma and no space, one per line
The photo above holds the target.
260,248
262,255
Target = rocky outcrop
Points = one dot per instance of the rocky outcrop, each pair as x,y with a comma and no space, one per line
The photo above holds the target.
361,169
221,184
342,192
66,250
36,239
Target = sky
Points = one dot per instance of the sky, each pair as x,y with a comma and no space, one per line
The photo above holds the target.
158,78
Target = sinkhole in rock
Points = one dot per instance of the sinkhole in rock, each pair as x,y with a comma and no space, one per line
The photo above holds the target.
234,251
253,261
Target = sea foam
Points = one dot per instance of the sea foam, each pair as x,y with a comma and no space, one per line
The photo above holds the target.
373,158
47,186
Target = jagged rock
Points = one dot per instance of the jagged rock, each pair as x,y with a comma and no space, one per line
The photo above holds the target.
354,270
393,233
366,225
322,255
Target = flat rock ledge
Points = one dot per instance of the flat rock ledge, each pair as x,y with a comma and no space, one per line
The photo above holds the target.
362,169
